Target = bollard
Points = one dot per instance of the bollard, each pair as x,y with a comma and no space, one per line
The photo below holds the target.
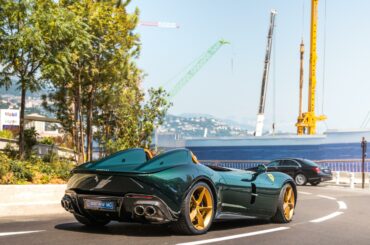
352,180
337,178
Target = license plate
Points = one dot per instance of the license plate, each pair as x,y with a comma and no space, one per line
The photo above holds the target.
99,205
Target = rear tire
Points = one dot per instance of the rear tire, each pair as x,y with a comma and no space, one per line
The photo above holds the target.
92,222
286,205
300,179
199,203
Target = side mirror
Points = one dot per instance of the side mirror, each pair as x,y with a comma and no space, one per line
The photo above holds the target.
261,168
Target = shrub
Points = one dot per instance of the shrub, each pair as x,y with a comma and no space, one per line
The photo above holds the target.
47,141
6,134
33,170
30,140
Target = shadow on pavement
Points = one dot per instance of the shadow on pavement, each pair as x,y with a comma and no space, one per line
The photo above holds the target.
148,230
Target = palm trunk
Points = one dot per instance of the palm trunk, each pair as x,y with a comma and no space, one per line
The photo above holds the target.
21,121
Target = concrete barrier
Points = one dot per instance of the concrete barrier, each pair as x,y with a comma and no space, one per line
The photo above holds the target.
23,200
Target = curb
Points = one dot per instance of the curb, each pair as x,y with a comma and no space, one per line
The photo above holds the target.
28,200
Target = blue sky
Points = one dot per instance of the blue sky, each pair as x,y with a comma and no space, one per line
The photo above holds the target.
233,92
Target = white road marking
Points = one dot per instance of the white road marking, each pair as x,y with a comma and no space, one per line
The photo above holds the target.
304,193
18,233
219,239
327,197
327,217
342,205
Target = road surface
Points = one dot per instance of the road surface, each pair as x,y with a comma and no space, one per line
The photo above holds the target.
324,215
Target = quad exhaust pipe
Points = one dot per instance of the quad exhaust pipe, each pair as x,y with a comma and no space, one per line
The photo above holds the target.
147,211
67,204
150,211
139,210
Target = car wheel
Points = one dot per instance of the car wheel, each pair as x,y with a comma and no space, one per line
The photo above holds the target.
300,179
315,183
286,205
89,221
197,211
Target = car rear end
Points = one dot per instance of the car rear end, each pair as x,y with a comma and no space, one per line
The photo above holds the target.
316,173
123,197
127,187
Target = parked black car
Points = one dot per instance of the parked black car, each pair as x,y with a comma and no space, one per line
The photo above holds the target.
303,171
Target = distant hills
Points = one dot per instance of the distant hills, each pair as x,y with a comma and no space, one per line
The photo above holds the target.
199,125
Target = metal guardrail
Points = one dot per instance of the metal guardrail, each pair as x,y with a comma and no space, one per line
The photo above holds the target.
342,165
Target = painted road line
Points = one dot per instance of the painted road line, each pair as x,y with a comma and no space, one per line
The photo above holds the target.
220,239
304,193
342,205
327,217
18,233
327,197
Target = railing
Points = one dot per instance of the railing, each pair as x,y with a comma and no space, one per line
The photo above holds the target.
342,165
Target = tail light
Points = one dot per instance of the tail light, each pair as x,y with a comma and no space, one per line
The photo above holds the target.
316,169
140,196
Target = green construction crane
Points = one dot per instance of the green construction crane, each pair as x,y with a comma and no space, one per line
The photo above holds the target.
195,67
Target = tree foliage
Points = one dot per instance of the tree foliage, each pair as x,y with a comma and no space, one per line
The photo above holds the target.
34,35
97,93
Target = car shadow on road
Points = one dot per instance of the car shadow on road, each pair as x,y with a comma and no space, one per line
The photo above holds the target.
150,230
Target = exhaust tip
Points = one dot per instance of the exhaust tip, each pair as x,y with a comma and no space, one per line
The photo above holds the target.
150,211
67,204
139,210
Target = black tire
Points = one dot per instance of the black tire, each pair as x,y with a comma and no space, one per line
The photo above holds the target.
300,179
315,183
184,225
92,222
279,216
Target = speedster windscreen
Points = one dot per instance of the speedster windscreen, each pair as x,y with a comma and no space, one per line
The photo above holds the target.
119,161
135,160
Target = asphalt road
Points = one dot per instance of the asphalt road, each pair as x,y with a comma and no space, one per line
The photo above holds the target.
324,215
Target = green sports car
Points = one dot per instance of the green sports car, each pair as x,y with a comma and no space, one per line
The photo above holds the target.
173,187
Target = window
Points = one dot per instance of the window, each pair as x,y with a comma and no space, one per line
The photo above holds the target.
273,164
289,163
310,163
119,160
171,158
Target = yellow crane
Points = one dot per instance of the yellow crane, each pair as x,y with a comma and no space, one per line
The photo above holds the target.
306,123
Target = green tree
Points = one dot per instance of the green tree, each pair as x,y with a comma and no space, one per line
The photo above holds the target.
33,35
102,89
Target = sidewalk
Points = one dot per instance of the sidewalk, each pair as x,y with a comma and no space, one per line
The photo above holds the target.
350,180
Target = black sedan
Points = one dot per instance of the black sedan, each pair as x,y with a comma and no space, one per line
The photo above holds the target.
303,171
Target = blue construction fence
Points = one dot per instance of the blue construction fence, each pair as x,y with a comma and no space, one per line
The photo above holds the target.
334,165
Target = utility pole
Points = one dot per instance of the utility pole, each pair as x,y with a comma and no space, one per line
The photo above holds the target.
363,146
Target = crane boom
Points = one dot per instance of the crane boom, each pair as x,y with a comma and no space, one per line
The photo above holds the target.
265,76
196,67
308,120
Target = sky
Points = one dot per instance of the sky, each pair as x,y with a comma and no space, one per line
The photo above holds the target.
228,86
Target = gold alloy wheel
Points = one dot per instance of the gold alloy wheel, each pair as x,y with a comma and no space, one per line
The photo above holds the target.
289,203
201,208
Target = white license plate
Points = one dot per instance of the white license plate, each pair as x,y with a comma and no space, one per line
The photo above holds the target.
99,204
